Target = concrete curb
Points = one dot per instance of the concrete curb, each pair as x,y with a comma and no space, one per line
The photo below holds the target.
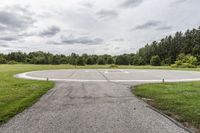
171,119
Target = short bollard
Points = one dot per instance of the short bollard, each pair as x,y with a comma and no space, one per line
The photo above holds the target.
47,79
163,80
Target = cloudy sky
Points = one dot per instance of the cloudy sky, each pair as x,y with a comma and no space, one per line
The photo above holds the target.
92,26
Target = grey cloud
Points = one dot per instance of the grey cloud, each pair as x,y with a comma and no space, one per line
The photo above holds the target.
88,4
119,40
107,13
4,45
147,25
2,27
164,28
117,48
51,31
82,40
106,49
8,38
27,34
131,3
53,42
178,2
21,9
14,19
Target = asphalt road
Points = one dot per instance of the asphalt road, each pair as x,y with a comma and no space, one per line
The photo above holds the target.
95,101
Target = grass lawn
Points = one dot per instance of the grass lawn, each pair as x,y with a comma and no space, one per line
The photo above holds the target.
179,100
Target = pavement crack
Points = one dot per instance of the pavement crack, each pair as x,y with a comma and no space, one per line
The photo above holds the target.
72,73
103,75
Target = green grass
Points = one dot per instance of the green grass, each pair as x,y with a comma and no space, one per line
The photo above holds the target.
179,100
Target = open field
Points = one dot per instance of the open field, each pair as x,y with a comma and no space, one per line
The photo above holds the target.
179,100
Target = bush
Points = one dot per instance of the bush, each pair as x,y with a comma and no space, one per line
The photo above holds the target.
174,66
191,60
113,66
137,60
185,61
188,65
12,62
155,61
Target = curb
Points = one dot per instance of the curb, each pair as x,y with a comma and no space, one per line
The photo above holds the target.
171,119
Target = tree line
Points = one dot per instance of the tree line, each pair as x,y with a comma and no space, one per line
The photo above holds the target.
170,47
167,51
40,57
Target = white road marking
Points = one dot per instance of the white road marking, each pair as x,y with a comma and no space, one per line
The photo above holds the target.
123,71
106,71
126,72
144,71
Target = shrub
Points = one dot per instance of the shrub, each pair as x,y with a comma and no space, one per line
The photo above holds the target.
174,66
191,60
185,61
187,65
113,66
137,60
12,62
155,61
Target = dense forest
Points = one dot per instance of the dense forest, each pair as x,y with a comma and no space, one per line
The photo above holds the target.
182,48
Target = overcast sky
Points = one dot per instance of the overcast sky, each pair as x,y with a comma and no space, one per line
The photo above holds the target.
92,26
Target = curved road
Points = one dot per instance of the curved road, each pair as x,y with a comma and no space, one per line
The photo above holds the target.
95,101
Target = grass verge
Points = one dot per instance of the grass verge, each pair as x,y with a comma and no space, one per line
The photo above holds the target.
178,100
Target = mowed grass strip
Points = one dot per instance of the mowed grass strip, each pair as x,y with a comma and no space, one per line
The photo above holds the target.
178,100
